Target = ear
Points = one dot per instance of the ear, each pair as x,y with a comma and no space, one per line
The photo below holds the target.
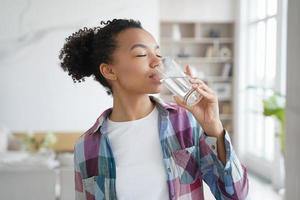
107,71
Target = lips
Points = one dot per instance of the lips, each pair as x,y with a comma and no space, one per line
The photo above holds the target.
155,76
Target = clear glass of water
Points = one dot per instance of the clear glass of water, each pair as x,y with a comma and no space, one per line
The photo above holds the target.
175,80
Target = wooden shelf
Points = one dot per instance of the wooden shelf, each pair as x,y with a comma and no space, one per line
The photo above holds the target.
217,79
204,59
205,40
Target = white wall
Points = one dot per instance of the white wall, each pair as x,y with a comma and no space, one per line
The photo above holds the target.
198,10
293,105
35,93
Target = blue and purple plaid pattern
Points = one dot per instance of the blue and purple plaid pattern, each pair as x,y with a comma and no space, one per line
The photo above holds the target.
189,157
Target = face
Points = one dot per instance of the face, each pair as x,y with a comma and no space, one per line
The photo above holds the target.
135,63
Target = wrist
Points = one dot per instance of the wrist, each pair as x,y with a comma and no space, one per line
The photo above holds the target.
216,130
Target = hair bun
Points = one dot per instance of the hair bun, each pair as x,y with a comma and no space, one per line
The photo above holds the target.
75,55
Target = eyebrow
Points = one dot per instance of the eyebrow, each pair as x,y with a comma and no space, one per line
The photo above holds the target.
142,46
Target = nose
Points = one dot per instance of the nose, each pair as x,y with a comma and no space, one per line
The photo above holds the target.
155,61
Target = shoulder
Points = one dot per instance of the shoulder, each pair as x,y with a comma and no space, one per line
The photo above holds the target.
87,137
86,145
87,151
92,137
89,133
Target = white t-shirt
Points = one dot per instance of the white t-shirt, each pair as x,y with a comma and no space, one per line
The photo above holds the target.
140,172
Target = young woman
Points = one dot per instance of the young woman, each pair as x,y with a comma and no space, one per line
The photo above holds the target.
143,148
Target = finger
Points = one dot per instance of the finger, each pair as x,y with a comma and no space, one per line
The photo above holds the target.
202,84
188,71
208,89
196,80
203,92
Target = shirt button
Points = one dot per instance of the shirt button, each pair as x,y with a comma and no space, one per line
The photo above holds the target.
213,147
169,169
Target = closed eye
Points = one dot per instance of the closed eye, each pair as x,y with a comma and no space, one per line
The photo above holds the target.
146,55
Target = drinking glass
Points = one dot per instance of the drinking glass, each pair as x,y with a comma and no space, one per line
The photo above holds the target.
175,80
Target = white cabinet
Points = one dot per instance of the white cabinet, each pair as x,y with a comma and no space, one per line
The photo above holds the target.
28,184
66,176
208,49
67,184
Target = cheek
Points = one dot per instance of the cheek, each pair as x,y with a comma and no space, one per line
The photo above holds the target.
131,71
131,74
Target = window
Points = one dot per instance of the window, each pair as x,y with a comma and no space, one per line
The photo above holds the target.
263,72
261,68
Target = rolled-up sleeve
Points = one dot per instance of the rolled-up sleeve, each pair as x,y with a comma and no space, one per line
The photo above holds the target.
227,181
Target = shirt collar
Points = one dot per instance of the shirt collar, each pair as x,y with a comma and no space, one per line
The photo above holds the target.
163,109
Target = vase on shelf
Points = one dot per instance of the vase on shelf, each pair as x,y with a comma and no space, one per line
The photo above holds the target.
176,34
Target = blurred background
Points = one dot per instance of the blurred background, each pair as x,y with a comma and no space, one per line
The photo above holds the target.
246,50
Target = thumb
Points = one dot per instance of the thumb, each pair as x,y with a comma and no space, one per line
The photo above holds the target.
188,71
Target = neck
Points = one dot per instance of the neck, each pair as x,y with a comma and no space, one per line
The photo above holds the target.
130,107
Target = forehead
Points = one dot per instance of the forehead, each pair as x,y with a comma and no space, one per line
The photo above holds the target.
132,36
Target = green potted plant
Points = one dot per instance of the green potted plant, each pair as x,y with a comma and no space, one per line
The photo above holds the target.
274,106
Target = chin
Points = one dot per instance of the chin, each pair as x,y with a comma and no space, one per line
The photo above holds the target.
156,90
152,90
153,93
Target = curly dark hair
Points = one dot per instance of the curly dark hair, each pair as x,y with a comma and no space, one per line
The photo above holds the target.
87,48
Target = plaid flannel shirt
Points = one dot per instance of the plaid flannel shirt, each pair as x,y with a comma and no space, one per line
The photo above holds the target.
189,156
